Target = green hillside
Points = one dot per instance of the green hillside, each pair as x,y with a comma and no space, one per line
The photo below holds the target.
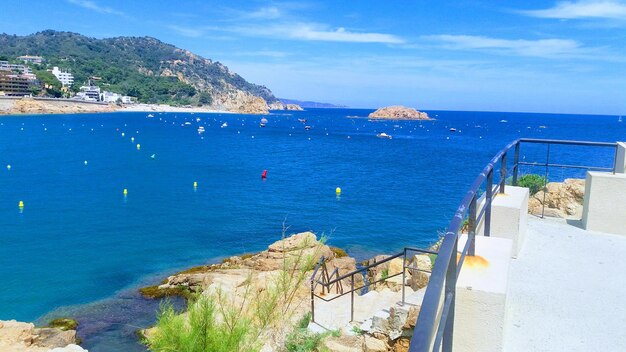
143,67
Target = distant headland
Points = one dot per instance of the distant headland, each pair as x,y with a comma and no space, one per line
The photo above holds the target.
398,112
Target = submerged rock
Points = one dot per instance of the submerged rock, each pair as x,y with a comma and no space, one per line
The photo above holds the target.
397,112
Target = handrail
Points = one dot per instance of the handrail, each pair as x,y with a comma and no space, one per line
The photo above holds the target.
435,325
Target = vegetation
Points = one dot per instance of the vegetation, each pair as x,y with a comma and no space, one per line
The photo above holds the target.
63,324
533,182
154,292
241,321
141,67
339,253
385,274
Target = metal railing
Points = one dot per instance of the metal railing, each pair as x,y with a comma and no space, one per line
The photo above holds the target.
328,282
434,330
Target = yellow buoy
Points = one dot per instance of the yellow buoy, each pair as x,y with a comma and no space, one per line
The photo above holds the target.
122,134
138,146
21,204
132,139
125,191
338,191
195,184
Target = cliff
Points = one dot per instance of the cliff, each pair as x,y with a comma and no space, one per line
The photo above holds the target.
398,113
279,105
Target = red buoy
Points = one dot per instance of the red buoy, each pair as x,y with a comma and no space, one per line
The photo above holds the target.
264,174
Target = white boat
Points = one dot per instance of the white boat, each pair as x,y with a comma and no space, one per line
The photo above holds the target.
620,119
504,121
201,129
383,135
224,125
307,127
150,115
187,123
452,129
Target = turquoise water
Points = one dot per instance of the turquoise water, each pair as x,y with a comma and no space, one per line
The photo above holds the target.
79,240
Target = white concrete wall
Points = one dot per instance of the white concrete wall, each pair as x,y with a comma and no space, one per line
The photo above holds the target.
509,216
620,158
480,310
604,206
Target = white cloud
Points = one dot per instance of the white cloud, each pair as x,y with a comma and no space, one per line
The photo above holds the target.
266,13
315,32
548,48
187,31
90,5
609,9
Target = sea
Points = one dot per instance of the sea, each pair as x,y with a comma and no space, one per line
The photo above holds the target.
80,247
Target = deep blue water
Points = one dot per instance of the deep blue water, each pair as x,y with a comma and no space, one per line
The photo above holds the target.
79,240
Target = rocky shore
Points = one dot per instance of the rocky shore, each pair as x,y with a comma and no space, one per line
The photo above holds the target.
25,337
237,102
383,333
397,112
561,199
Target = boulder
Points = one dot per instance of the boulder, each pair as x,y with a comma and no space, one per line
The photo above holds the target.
398,113
562,199
24,337
418,279
343,343
371,344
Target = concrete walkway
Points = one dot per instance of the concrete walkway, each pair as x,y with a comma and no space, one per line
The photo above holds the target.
567,290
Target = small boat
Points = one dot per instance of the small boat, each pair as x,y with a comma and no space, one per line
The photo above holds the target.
307,127
264,120
452,129
261,124
302,120
224,125
201,129
504,121
150,115
198,119
187,123
383,135
620,119
542,126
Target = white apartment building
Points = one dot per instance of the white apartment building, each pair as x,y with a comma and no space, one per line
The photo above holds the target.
110,97
65,78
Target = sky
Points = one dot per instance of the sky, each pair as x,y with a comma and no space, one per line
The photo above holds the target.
528,56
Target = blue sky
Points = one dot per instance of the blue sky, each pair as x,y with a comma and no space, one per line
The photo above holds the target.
535,56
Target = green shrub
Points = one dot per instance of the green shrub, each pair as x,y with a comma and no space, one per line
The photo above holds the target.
63,324
533,182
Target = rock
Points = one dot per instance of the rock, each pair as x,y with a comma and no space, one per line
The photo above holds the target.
240,102
396,266
69,348
371,344
562,199
411,319
279,105
398,113
17,337
401,345
418,280
52,337
422,262
63,324
294,242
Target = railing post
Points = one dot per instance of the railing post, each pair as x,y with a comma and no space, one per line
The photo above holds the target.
471,222
450,290
516,164
545,182
503,173
488,198
352,298
312,301
403,275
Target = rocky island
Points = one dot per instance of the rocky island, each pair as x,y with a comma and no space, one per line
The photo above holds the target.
398,112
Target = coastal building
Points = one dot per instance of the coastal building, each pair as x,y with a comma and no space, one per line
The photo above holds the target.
110,97
31,59
16,68
13,84
66,78
89,92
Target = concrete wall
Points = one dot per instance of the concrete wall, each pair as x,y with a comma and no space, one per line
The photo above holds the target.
604,206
